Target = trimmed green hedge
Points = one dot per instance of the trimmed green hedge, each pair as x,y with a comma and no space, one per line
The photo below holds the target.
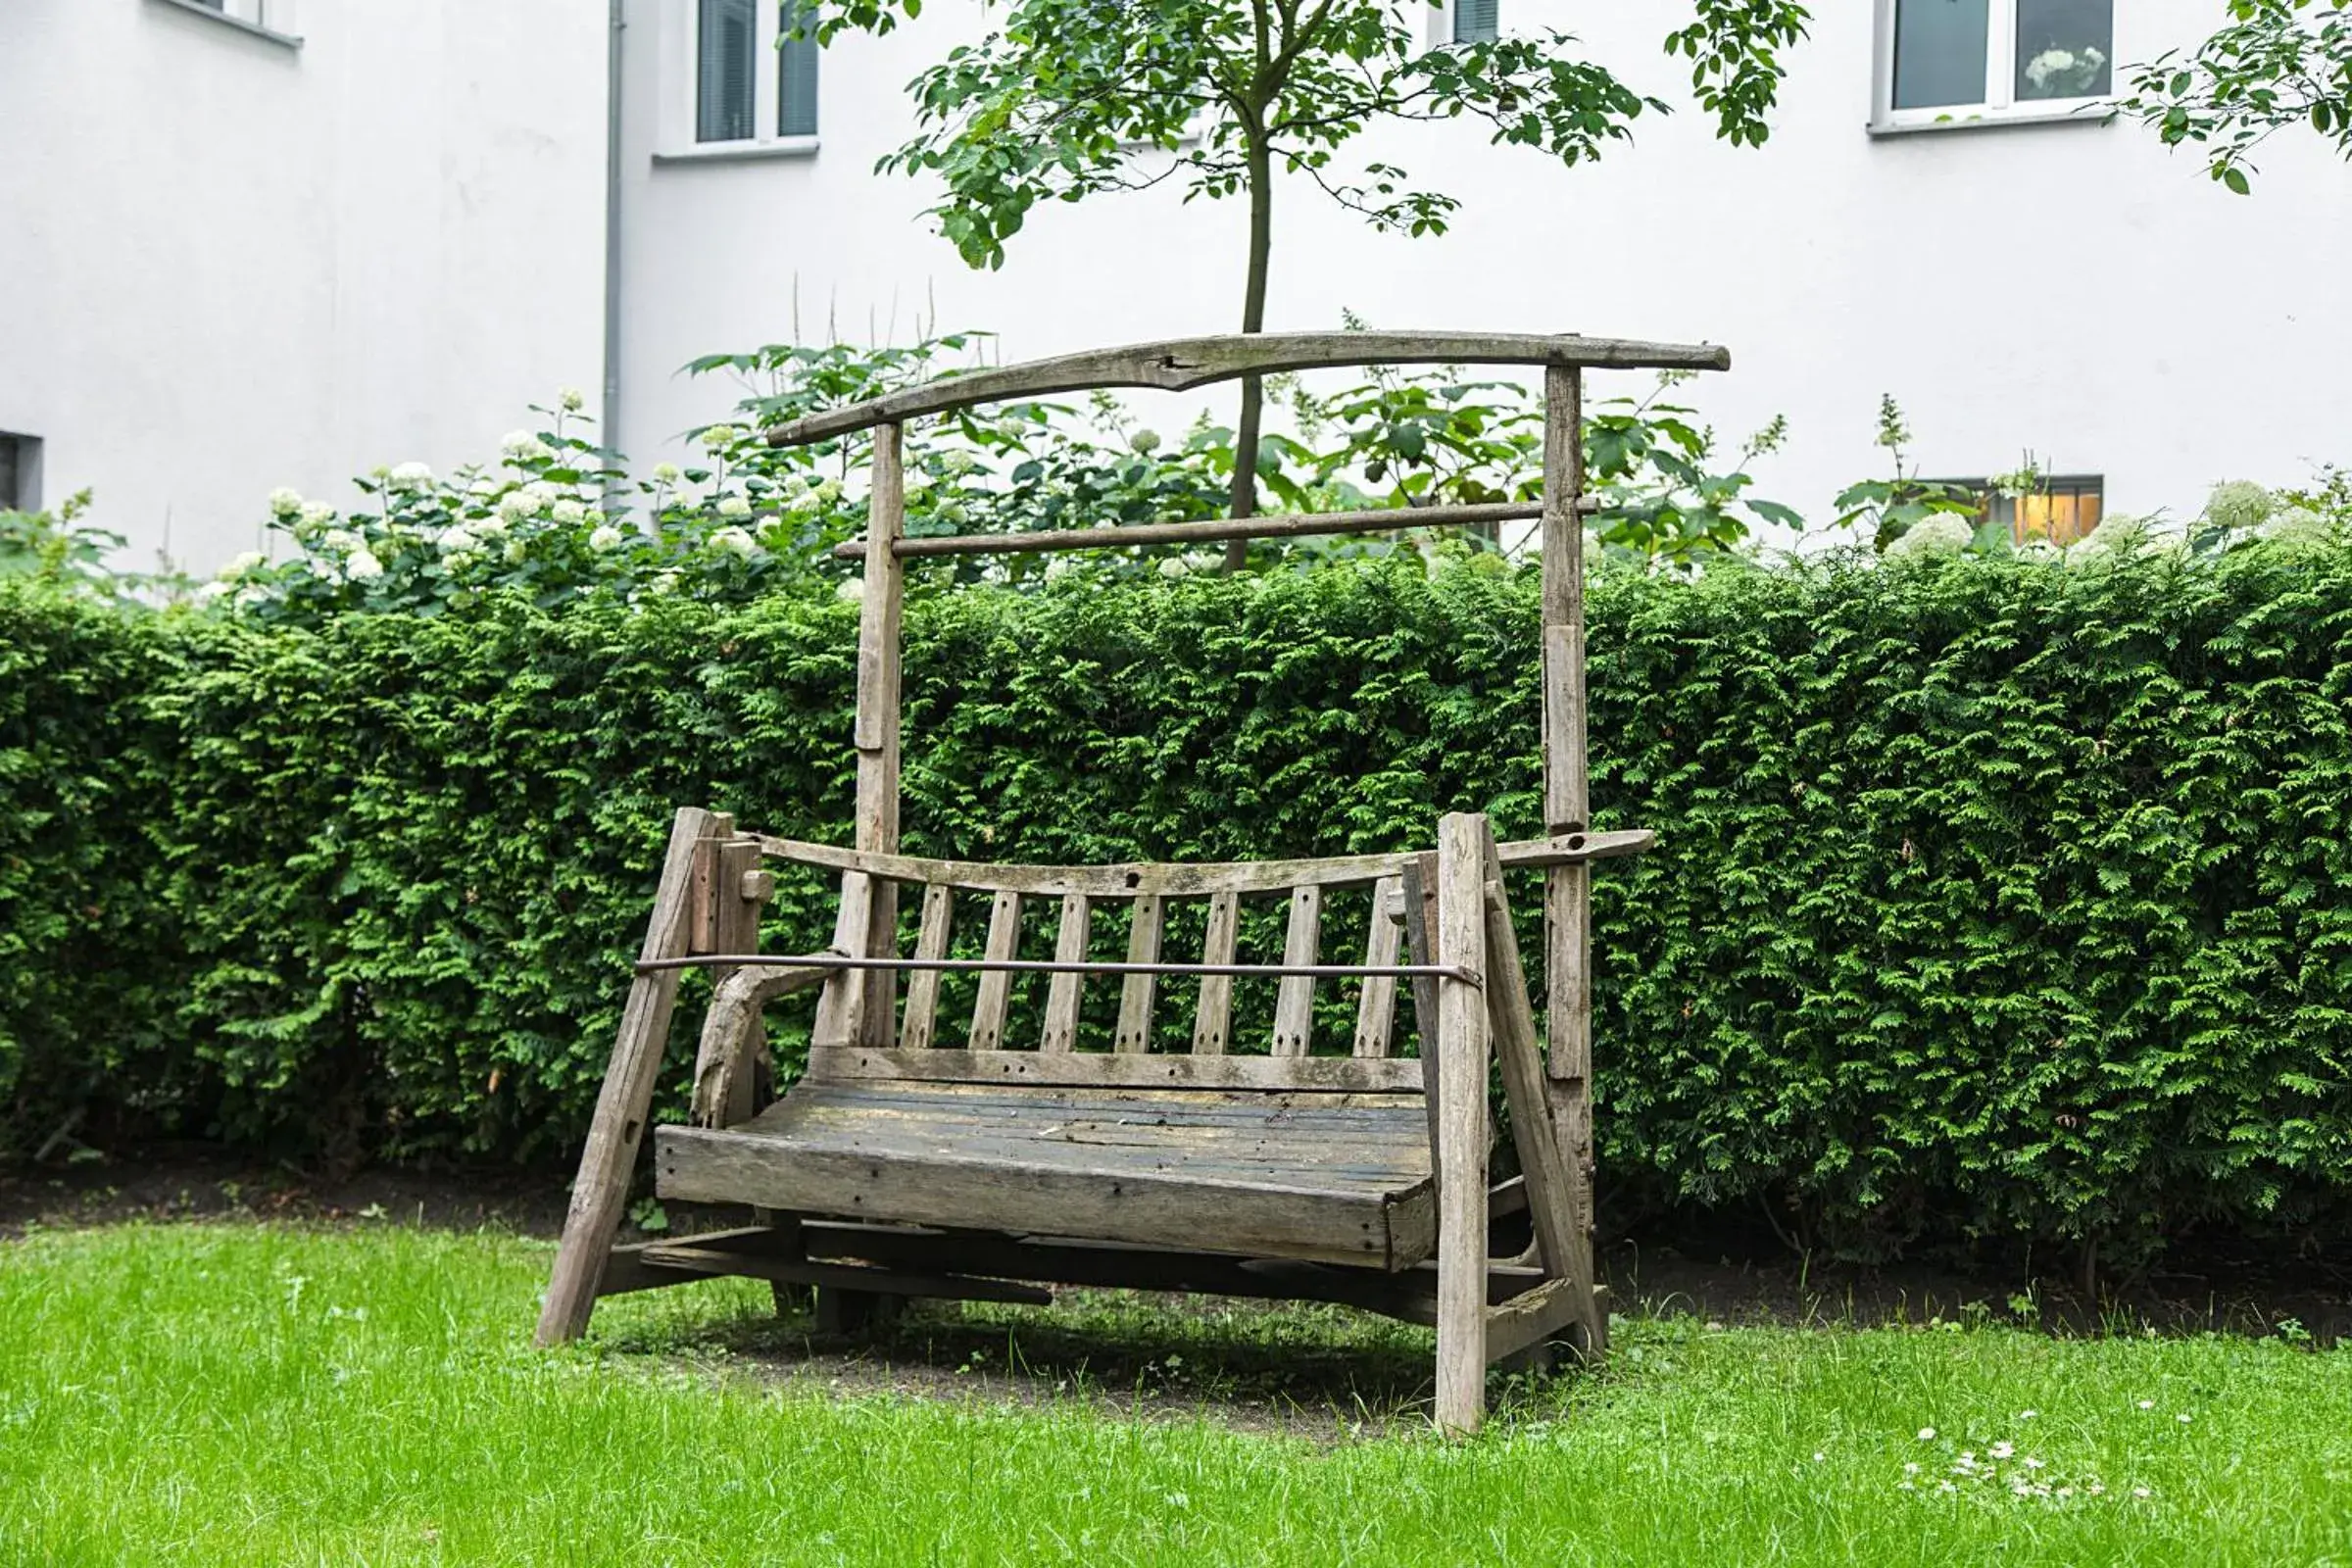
1990,900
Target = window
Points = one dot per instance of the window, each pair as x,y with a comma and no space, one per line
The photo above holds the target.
1945,61
1474,20
2060,507
744,53
20,473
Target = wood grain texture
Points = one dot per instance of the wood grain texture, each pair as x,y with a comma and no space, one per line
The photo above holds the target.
1212,1023
1419,884
1139,992
600,1190
1315,1074
1181,363
707,1262
880,633
1062,992
1463,1133
727,1028
748,1075
1295,995
919,1029
841,1007
1534,1316
994,998
1181,879
1376,1002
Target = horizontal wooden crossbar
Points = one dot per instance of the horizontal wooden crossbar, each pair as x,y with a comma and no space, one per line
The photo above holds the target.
840,961
1184,879
1181,363
1285,525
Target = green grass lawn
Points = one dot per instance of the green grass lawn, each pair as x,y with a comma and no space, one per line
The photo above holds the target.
237,1393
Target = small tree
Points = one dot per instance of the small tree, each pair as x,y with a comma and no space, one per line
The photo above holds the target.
2276,65
1062,97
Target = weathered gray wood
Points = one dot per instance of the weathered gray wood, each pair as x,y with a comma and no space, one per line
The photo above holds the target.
841,1007
1138,992
599,1190
1062,995
1179,879
919,1029
1537,1315
1130,535
728,1028
1089,967
1212,1025
1294,997
1376,1003
748,1076
1567,804
1183,362
1157,1206
711,1262
703,920
1566,1250
626,1269
1463,1133
995,986
1418,882
882,613
1210,1070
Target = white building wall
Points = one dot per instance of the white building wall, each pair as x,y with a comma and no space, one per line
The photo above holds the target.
228,263
2072,289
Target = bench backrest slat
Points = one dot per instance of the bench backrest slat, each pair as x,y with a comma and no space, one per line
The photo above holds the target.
922,986
1376,1007
1212,1025
1062,992
995,986
1138,990
1295,998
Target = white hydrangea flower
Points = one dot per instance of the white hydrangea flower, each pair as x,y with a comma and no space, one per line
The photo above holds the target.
490,527
209,592
363,566
520,445
539,495
2239,504
515,506
411,477
571,400
485,489
606,538
720,436
569,512
734,506
1146,441
852,589
668,472
454,539
243,564
339,540
1058,567
796,484
1173,566
460,560
285,503
2040,551
2296,523
316,513
737,540
1943,534
517,549
665,582
828,492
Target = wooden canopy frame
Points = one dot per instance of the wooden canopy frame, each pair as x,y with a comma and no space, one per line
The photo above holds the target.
1463,970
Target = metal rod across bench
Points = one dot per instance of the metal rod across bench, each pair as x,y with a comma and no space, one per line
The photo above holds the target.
1288,526
836,960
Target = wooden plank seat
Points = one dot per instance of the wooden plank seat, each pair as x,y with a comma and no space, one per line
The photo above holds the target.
1340,1178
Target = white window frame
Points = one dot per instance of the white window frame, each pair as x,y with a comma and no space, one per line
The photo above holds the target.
681,56
1441,24
2001,105
272,19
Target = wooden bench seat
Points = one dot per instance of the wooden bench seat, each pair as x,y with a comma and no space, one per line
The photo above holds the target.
1334,1178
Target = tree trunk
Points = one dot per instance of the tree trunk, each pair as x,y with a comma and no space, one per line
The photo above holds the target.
1253,319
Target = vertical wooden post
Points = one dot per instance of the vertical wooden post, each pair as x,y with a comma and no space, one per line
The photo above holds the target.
878,636
601,1191
1463,1132
1567,787
742,887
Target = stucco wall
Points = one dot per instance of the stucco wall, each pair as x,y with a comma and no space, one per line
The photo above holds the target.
2073,289
227,265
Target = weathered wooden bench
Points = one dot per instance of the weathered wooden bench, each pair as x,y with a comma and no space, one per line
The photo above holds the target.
1166,1141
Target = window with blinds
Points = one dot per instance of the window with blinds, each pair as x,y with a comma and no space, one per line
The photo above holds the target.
727,69
796,73
1474,20
11,486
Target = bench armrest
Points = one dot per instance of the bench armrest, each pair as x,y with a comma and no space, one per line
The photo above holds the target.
729,1028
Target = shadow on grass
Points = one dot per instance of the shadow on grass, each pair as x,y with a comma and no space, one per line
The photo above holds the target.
1301,1369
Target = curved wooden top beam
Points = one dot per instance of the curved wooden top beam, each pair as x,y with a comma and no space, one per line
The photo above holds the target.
1190,361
